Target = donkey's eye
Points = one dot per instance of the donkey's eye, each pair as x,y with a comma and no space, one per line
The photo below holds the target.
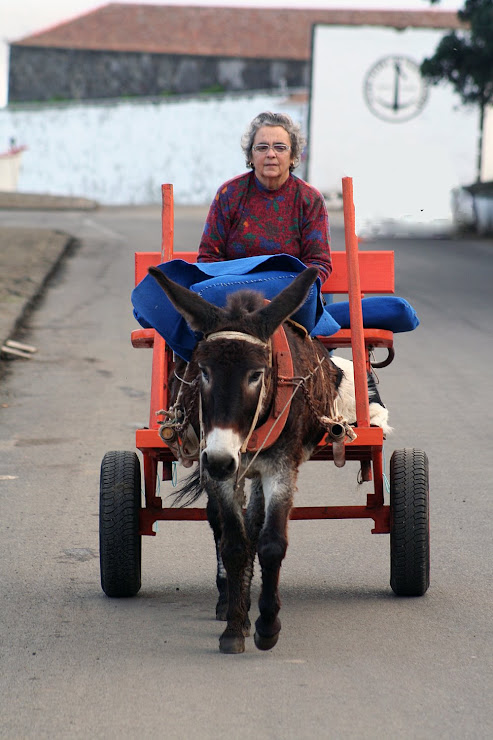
205,374
255,376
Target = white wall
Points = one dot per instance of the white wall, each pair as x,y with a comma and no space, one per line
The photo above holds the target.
401,170
120,152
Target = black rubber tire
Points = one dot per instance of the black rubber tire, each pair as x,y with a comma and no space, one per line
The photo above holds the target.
409,523
120,544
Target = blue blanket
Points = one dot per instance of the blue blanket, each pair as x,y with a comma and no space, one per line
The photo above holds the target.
214,281
269,274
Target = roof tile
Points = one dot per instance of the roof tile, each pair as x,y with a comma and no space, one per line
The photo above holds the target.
217,31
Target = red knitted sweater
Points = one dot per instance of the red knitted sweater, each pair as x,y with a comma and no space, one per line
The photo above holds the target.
246,219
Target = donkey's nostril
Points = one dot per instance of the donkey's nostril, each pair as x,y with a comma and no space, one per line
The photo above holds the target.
220,466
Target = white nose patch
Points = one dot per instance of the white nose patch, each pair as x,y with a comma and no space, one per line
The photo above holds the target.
222,441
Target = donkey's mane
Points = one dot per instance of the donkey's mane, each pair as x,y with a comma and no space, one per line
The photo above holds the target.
243,302
240,313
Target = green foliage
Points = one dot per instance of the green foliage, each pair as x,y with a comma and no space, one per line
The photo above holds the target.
464,58
215,88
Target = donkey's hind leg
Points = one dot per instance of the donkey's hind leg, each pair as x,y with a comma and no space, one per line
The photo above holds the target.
254,519
214,520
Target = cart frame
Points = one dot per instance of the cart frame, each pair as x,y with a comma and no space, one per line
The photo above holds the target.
354,273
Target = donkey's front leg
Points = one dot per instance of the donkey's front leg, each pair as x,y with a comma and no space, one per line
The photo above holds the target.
272,546
235,556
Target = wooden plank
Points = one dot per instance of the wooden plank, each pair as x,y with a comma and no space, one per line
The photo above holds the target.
167,223
355,310
144,260
199,514
376,270
371,437
373,338
142,338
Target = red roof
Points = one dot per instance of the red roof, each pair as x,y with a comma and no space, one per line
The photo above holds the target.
270,33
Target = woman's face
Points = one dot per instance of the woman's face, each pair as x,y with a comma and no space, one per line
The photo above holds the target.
271,167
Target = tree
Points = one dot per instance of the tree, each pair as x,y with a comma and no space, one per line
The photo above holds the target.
464,58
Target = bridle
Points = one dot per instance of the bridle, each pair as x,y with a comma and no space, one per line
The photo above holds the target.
327,422
277,420
242,336
177,421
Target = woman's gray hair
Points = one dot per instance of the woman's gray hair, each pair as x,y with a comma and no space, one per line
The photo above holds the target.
298,141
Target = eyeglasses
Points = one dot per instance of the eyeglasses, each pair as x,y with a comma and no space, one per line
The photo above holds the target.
277,148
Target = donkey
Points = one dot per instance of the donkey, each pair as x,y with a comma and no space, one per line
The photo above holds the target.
227,391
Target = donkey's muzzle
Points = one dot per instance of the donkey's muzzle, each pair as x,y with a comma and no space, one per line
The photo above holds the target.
219,465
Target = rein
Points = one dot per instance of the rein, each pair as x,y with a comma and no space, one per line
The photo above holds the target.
285,381
177,422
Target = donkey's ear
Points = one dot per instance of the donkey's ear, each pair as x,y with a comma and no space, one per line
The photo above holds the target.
286,303
197,312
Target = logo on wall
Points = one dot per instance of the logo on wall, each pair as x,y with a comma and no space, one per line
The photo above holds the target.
394,89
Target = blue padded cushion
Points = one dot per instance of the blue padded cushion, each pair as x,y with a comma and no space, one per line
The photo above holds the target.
214,281
379,312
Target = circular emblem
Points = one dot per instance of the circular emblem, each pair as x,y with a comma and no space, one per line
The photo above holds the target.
394,89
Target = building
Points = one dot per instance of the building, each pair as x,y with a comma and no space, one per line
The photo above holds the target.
130,96
156,50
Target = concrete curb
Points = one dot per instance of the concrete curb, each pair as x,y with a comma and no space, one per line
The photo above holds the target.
39,202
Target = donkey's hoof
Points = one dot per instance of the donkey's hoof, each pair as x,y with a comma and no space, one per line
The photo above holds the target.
232,644
265,643
266,637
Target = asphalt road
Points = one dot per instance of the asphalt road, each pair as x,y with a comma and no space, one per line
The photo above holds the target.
353,661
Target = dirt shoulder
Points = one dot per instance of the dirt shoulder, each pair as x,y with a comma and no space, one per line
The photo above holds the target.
28,258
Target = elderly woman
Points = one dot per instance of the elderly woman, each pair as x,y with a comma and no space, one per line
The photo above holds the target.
269,210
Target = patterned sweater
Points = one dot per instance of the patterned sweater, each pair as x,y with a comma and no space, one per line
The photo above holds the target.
246,219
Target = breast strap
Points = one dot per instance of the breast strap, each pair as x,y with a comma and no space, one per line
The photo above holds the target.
268,433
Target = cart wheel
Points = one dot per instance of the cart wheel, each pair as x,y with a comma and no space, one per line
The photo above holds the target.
409,523
119,540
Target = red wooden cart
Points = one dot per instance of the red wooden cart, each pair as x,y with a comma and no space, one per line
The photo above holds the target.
123,519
